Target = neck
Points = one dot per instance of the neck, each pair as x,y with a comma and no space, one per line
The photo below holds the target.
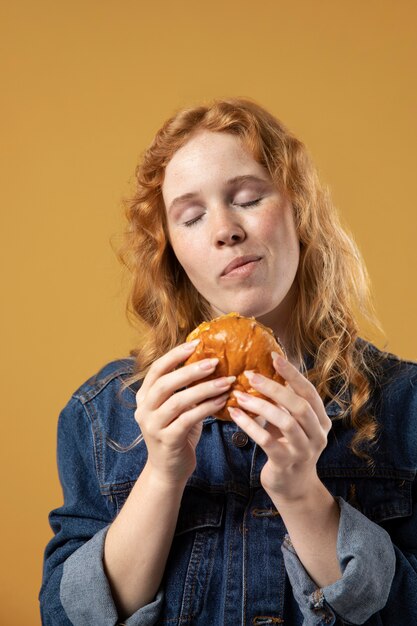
279,321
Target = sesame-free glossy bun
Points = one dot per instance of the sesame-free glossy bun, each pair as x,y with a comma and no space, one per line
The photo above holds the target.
240,343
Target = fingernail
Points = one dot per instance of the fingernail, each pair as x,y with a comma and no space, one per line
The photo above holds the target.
242,397
253,377
190,345
279,360
208,365
235,413
224,382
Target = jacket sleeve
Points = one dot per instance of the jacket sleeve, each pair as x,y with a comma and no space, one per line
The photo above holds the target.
75,589
377,576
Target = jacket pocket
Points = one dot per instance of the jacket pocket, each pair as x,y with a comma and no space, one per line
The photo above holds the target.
117,495
191,567
384,495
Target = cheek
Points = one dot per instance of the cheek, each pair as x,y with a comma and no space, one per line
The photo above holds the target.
278,226
279,231
187,250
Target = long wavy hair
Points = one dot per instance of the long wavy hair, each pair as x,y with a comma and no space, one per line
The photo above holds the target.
332,281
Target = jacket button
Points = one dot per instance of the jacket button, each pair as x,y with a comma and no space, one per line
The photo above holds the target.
240,439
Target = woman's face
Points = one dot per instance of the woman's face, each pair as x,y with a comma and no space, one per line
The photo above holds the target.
223,208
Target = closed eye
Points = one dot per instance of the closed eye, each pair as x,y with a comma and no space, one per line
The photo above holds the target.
193,221
251,203
241,204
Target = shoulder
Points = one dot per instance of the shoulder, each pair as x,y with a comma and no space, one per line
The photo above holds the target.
388,369
114,375
393,401
393,383
107,392
101,411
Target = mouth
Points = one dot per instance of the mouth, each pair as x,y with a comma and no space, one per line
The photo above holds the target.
240,265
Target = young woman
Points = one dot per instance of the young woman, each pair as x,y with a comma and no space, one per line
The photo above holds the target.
307,516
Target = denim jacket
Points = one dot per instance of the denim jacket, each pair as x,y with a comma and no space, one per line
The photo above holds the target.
231,560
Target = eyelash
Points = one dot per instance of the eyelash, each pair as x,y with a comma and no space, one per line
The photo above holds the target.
244,205
251,203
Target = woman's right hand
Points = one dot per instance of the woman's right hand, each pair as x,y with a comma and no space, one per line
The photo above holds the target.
171,420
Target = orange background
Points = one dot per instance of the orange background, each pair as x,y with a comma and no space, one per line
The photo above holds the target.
84,86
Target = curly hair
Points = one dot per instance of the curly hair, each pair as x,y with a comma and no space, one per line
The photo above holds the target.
332,281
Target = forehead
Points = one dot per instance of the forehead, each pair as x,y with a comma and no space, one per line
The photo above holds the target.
209,156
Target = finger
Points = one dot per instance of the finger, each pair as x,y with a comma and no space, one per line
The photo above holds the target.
275,415
302,387
167,385
265,439
167,363
181,401
295,404
196,414
275,432
285,398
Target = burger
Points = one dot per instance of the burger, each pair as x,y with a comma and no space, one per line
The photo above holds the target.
240,343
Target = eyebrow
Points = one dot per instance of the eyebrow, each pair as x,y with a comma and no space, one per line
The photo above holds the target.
237,180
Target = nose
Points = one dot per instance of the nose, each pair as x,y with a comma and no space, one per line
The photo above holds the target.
227,230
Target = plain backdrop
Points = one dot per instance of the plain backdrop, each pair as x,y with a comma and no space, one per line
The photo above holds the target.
84,86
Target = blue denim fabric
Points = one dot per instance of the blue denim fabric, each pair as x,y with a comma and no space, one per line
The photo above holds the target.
230,561
365,553
87,598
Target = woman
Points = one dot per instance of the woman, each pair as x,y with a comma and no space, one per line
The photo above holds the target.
307,517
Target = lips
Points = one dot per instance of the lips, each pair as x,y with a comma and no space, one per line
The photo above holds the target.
238,262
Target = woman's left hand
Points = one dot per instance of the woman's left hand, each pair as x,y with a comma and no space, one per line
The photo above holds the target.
295,433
